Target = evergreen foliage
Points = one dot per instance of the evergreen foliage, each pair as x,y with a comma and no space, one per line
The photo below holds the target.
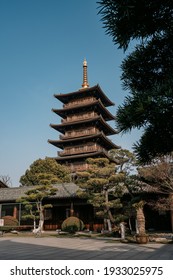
146,72
33,203
142,20
100,184
44,172
125,160
72,224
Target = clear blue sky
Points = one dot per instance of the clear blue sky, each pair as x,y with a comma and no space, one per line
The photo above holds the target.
42,47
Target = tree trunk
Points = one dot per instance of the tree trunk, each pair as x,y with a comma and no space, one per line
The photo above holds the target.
34,224
130,225
140,220
41,222
136,226
122,230
109,225
111,218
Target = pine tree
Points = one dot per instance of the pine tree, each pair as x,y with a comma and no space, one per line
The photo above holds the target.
101,185
146,71
33,203
44,172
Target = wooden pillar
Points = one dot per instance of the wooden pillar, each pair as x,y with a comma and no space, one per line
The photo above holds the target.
71,210
15,212
20,214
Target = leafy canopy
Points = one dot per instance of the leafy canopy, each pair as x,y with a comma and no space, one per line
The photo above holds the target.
159,173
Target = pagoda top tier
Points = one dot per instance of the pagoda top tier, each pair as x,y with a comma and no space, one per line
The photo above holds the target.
85,91
95,91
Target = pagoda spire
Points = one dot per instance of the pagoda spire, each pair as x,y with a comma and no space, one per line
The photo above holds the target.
85,76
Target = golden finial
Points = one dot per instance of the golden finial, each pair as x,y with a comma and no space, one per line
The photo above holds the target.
85,76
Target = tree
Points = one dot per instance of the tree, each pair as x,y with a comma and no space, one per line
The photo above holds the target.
127,163
137,190
142,20
6,180
33,202
146,72
155,178
100,185
160,175
150,104
140,217
125,160
45,172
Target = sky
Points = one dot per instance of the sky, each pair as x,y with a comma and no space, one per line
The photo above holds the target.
42,47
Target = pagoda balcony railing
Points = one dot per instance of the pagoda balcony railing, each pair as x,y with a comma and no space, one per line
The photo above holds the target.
83,150
80,167
79,102
78,134
79,118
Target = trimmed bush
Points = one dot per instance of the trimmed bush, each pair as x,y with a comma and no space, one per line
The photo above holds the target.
6,229
72,224
10,221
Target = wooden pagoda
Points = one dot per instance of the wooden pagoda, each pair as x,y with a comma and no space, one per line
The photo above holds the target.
84,128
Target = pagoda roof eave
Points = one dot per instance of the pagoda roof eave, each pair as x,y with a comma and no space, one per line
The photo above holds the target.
98,119
63,112
87,155
100,136
64,97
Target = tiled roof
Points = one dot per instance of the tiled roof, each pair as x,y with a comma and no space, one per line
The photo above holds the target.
63,191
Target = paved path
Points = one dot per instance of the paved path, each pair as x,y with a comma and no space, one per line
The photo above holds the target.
52,248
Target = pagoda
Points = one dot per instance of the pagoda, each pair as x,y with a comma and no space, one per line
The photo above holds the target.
84,128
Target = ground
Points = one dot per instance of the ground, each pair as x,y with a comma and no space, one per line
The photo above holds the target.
51,246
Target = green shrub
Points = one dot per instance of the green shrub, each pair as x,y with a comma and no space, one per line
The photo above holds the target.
6,228
71,229
72,224
10,221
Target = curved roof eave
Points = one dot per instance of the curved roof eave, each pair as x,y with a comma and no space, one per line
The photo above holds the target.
64,97
63,112
77,156
62,143
98,119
